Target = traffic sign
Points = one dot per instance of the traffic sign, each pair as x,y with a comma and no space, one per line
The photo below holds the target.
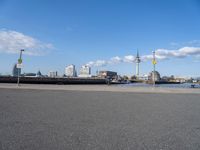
19,65
19,61
154,62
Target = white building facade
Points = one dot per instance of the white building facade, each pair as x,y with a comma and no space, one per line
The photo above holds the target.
53,74
70,71
85,71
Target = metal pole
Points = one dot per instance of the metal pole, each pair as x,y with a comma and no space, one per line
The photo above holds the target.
154,68
19,62
18,77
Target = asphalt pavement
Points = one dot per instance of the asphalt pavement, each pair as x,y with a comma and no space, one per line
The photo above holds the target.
97,120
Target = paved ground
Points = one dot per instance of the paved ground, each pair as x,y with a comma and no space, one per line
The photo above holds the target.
81,120
110,88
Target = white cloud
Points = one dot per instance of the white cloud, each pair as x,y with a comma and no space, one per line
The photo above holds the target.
193,43
129,58
180,53
115,60
183,52
11,42
160,54
146,57
97,63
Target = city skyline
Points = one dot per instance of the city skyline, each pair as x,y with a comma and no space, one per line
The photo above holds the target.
104,35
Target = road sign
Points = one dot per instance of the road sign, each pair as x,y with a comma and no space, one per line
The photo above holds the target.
19,61
154,62
19,65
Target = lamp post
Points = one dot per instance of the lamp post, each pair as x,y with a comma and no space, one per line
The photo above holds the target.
154,67
19,65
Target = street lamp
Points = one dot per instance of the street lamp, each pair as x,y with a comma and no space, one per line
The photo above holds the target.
19,65
154,67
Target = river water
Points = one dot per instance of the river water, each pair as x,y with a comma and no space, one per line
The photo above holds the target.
183,85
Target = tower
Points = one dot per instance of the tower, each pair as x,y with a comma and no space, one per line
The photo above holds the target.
137,61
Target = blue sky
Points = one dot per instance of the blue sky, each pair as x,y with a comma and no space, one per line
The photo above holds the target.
62,32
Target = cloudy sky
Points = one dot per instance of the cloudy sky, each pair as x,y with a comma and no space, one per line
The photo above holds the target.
103,34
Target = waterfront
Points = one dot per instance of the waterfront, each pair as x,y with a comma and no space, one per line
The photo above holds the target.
181,85
133,88
83,120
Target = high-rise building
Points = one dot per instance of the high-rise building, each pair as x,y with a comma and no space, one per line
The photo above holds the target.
137,61
16,71
85,71
70,71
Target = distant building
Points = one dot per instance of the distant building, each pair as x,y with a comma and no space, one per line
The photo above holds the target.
154,75
16,71
174,79
53,74
85,71
182,80
70,71
166,78
143,77
107,74
39,74
29,75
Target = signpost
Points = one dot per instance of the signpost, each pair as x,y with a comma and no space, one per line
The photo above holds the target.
154,68
19,65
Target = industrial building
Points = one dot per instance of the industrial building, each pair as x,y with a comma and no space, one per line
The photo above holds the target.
107,74
70,71
85,71
38,74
